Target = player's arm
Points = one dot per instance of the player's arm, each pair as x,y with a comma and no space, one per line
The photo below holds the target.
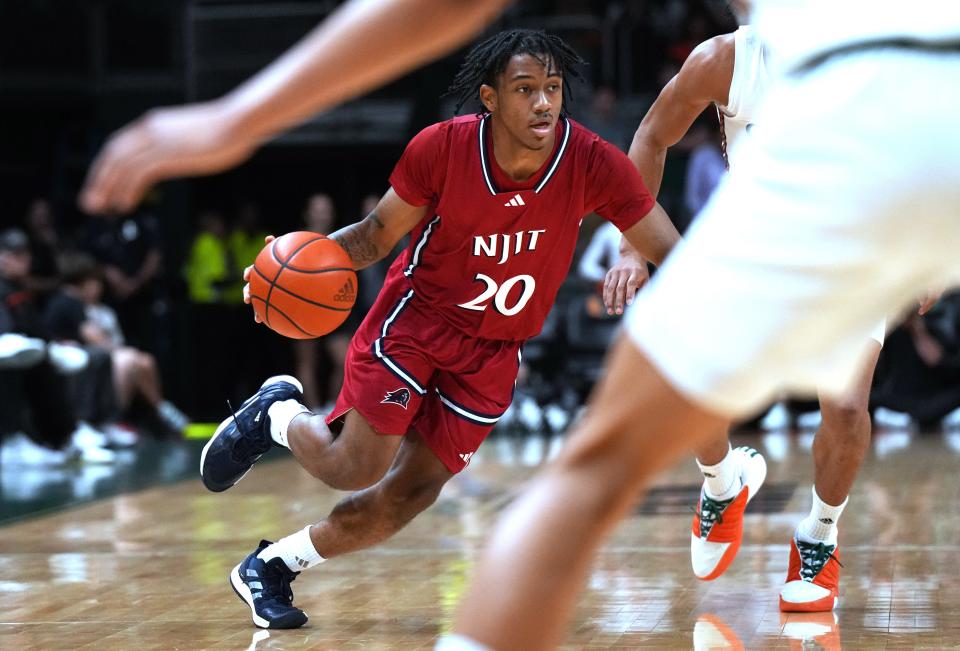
372,238
704,78
652,238
361,46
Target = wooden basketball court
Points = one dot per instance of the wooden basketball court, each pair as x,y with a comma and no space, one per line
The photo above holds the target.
148,570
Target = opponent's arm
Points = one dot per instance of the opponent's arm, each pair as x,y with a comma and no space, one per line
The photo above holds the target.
704,78
361,46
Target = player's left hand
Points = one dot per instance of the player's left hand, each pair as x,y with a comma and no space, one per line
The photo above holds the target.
622,282
928,301
246,279
163,144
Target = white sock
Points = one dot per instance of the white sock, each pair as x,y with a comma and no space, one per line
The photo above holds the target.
821,524
281,413
296,550
455,642
723,479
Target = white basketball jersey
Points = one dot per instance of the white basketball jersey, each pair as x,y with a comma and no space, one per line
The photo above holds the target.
749,83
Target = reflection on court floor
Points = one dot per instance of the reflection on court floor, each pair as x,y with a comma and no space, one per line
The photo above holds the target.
148,570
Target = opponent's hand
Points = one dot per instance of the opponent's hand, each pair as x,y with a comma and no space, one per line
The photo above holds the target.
246,278
164,143
928,301
621,283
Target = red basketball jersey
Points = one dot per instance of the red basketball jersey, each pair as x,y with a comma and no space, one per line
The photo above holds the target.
491,254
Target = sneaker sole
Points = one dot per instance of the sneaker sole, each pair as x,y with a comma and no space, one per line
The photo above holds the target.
223,424
243,593
824,605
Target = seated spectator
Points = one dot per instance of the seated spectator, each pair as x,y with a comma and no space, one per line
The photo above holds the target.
34,374
76,312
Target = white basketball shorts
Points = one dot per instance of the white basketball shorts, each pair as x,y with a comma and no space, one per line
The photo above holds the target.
842,208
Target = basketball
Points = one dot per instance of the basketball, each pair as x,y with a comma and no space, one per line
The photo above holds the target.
303,285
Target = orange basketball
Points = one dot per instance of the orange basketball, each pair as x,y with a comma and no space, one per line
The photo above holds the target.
303,285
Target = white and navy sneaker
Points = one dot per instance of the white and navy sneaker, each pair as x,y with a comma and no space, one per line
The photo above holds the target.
265,587
244,437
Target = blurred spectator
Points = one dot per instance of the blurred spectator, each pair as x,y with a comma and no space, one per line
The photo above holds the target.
704,170
243,244
134,372
44,246
209,272
602,252
919,371
208,268
319,216
604,118
129,250
36,398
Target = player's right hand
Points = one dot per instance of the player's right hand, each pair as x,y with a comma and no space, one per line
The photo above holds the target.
623,280
165,143
246,278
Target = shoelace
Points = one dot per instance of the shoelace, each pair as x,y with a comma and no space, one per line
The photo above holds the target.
245,444
813,556
280,591
710,513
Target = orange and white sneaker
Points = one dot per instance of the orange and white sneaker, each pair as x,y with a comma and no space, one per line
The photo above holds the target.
813,580
718,525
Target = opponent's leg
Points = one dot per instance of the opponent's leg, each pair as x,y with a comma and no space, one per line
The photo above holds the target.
813,578
542,549
731,478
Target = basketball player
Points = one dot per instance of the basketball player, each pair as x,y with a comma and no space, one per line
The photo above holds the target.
729,72
493,202
841,207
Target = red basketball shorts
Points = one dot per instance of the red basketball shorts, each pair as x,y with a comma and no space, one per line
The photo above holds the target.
407,369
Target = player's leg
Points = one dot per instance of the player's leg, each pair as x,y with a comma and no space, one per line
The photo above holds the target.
352,447
365,518
540,553
840,445
731,478
454,418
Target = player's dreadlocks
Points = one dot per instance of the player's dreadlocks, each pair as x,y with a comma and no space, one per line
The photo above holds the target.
489,59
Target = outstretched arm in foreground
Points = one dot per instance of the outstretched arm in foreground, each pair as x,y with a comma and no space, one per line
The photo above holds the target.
361,46
524,590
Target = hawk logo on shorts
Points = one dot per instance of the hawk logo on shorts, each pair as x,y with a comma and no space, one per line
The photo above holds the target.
398,397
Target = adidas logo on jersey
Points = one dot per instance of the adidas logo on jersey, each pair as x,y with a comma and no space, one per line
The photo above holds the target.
347,293
516,201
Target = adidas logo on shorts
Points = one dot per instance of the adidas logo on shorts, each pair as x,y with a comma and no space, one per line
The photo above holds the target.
347,293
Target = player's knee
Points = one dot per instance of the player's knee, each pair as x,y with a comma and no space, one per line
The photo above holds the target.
848,416
409,498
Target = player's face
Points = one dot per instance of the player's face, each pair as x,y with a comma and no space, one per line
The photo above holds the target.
527,100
